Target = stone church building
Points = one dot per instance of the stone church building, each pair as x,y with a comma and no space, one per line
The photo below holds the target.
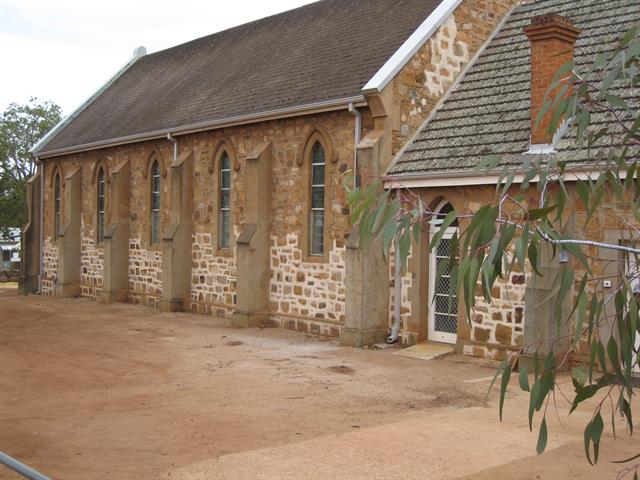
209,177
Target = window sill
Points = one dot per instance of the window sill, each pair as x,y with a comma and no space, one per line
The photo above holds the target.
324,258
224,252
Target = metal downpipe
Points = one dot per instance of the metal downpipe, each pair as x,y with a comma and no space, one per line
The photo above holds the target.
357,137
41,221
171,138
395,328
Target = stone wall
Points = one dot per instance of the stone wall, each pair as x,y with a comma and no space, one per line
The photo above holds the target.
424,81
498,326
49,267
501,321
91,263
145,274
213,269
494,327
213,283
304,290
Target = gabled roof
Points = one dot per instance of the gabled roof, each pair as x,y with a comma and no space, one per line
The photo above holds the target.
319,53
489,110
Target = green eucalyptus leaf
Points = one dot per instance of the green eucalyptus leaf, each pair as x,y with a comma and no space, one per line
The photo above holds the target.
504,383
579,375
524,379
542,437
533,400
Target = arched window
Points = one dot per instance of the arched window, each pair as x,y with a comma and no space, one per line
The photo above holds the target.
224,217
316,222
101,206
57,202
441,213
155,203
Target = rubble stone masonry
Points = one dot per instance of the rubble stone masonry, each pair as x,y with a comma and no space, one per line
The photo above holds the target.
501,322
306,295
50,267
145,274
213,283
425,80
91,263
213,289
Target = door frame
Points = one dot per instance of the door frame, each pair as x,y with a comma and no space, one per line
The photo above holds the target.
634,284
432,334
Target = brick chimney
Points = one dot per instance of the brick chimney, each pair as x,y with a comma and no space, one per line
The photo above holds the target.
552,39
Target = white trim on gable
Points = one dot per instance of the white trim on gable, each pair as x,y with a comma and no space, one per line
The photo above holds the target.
138,53
402,56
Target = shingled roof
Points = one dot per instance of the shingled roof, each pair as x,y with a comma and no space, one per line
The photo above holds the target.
324,51
489,111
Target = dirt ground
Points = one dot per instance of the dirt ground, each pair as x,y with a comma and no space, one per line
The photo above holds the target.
123,392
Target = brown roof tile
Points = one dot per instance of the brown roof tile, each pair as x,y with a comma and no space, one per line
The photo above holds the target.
323,51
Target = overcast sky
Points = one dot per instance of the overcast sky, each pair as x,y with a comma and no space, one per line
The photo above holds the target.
64,50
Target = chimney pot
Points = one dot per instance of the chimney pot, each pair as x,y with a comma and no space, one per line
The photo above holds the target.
552,39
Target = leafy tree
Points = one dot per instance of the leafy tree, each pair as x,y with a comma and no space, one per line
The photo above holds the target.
21,126
599,105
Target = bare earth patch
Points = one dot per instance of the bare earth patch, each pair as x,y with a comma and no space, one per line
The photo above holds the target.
90,391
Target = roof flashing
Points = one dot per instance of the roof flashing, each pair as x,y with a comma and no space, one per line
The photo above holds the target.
541,149
546,149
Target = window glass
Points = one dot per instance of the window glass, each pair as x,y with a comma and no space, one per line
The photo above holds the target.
224,221
101,205
317,200
57,206
155,203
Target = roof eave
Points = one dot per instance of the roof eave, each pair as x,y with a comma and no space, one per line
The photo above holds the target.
471,177
307,109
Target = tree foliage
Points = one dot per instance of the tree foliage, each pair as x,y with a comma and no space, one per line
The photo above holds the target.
21,126
598,108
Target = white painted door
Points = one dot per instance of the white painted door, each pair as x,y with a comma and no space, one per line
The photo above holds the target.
443,308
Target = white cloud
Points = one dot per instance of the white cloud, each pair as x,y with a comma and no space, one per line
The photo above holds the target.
63,50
